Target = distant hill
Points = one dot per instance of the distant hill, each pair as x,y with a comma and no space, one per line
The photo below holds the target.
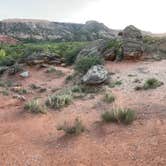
31,30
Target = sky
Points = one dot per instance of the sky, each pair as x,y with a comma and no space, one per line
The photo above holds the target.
147,15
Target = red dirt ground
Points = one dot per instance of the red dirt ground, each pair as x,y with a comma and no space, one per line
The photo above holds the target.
32,140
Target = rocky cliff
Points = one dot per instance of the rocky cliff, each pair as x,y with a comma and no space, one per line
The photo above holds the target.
29,30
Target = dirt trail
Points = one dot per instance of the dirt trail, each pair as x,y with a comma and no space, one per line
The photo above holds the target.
32,140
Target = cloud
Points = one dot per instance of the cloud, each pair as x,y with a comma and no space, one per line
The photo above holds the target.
145,14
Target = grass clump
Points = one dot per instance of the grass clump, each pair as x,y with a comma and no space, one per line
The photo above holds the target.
115,83
51,70
35,107
83,64
5,92
109,98
34,86
72,129
60,100
152,83
125,116
22,91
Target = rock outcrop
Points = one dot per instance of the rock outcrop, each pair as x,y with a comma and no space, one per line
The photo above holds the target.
41,58
32,30
95,75
132,42
96,48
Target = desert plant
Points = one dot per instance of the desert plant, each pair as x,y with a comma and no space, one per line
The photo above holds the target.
83,64
5,92
72,129
59,100
16,68
109,98
115,83
70,57
51,70
22,91
2,83
34,86
76,89
152,83
125,116
35,107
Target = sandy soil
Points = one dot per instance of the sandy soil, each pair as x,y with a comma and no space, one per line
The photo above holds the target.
32,140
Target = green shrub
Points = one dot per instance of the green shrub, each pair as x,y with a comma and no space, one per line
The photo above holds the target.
57,101
34,86
5,92
35,107
70,57
83,64
116,46
72,129
7,83
22,91
125,116
51,70
14,69
152,83
109,98
2,83
115,83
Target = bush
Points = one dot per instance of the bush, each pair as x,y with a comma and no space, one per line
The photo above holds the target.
72,129
116,45
5,92
109,98
51,70
152,83
70,57
57,101
35,107
115,83
83,64
125,116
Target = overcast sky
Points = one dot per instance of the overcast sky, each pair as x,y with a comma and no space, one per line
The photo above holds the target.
147,15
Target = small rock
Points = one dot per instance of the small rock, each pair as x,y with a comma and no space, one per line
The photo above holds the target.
25,74
19,97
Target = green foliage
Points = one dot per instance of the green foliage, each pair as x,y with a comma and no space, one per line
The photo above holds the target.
116,46
115,83
72,129
109,98
152,83
60,100
2,53
70,57
125,116
22,91
9,54
5,92
83,64
7,83
35,107
51,70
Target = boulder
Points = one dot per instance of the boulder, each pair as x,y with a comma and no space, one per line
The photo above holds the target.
132,42
96,48
95,75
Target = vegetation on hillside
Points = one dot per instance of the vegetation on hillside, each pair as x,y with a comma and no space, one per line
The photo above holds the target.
9,54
